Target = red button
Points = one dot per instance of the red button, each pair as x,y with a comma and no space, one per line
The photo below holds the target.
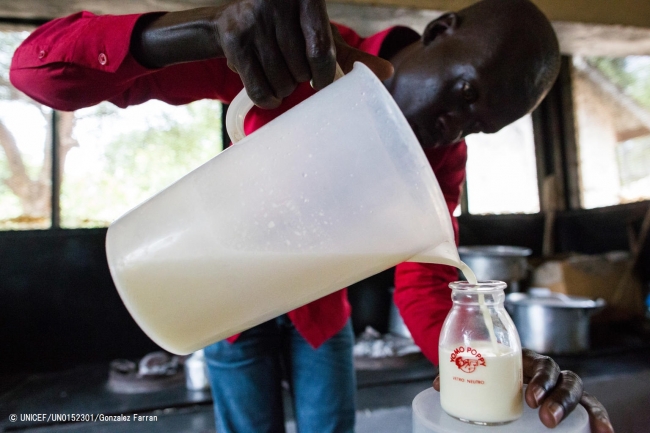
41,54
102,59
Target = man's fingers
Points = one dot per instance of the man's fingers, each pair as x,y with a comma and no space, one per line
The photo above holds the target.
292,46
319,45
274,45
541,374
276,70
436,383
562,399
255,81
598,417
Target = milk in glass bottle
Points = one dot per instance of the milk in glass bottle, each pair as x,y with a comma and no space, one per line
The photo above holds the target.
480,356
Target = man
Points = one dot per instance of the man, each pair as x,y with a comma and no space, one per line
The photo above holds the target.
476,70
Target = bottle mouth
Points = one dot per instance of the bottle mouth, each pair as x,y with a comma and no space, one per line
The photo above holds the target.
481,286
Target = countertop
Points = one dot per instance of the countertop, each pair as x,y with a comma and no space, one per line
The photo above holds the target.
617,371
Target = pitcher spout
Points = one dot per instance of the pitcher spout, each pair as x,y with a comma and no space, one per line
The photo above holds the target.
445,253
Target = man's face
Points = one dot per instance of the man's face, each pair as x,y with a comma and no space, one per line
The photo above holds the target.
454,86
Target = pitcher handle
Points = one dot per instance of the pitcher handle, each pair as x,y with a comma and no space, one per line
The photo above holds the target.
237,111
242,104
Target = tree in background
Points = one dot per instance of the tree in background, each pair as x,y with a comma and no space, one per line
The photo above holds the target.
31,185
130,162
137,157
632,75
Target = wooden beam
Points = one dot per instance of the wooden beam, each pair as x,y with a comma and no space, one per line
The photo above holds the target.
620,12
575,38
634,13
586,27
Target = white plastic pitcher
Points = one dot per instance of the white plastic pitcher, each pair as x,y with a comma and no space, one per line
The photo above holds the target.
331,192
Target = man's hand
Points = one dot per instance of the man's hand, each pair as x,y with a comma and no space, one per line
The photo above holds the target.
557,393
272,45
346,56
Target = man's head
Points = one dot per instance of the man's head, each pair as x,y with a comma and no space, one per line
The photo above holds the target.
476,70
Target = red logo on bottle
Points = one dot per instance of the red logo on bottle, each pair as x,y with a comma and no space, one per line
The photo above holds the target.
467,359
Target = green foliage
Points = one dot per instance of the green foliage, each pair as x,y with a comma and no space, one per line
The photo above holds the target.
134,165
139,163
160,155
632,74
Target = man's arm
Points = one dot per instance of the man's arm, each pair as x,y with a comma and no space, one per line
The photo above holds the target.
179,57
84,59
272,45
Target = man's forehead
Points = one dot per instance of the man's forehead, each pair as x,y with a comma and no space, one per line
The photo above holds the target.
502,98
478,52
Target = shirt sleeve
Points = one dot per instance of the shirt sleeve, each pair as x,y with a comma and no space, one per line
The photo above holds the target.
83,59
422,295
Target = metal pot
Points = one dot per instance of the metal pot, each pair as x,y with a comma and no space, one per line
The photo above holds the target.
497,262
552,323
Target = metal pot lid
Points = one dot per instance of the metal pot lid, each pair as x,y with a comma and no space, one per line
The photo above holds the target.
554,300
495,250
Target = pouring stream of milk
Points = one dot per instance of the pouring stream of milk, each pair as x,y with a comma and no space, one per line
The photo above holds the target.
471,278
446,254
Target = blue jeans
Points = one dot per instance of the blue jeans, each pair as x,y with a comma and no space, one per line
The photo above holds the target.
246,380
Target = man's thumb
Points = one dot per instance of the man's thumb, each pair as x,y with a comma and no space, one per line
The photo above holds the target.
346,56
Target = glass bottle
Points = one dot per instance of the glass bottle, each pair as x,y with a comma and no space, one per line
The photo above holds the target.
480,356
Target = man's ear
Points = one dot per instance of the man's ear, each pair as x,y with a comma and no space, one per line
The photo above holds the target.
446,23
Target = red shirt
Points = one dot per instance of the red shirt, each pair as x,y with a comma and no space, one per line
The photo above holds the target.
84,59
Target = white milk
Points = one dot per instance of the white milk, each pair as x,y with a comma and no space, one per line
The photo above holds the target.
184,306
481,385
471,278
467,271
